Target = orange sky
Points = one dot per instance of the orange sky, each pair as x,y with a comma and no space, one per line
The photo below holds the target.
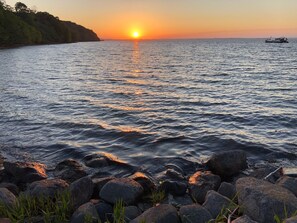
162,19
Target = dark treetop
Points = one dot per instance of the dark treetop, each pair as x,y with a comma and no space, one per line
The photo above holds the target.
23,26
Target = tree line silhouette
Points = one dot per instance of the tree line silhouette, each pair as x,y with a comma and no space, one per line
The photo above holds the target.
23,26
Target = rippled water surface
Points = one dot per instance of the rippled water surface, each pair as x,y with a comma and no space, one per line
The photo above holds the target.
143,101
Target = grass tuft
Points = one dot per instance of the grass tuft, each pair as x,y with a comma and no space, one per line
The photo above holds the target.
52,210
157,197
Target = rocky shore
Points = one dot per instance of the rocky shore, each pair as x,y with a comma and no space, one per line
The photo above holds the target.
217,191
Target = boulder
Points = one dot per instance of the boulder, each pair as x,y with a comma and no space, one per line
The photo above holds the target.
194,213
173,187
81,191
146,182
102,160
26,172
131,212
11,187
69,170
201,182
243,219
228,163
163,213
124,189
85,213
173,174
288,182
6,197
261,200
104,211
5,220
227,190
291,220
99,183
47,188
215,203
178,201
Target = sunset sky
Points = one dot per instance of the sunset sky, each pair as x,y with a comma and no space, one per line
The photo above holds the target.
162,19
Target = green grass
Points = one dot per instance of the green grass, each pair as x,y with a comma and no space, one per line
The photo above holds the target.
157,197
119,212
52,210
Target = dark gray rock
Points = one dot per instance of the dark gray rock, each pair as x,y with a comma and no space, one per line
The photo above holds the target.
271,173
163,213
5,220
194,213
85,213
81,191
178,201
124,188
228,163
228,190
143,206
201,182
99,183
146,182
104,211
102,160
215,202
173,187
288,182
6,197
47,188
11,187
243,219
261,200
173,174
131,212
291,220
26,172
69,170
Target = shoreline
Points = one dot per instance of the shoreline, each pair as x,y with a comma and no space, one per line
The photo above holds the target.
215,191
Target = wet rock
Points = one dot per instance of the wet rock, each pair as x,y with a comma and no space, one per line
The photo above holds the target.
243,219
173,187
194,213
6,197
26,172
85,213
102,160
261,200
5,220
178,201
173,174
69,170
270,174
11,187
143,206
228,190
47,188
99,183
201,182
161,214
126,189
288,182
146,182
291,220
131,212
104,211
228,163
81,191
215,202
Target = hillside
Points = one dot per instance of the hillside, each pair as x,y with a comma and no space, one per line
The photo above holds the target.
23,26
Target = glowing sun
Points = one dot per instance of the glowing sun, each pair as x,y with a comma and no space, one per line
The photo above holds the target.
135,34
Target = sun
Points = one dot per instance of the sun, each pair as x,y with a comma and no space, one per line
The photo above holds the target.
135,34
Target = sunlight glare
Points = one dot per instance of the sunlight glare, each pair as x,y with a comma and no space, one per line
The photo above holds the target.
135,34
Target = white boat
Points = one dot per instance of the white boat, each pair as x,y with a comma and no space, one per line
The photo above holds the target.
277,40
